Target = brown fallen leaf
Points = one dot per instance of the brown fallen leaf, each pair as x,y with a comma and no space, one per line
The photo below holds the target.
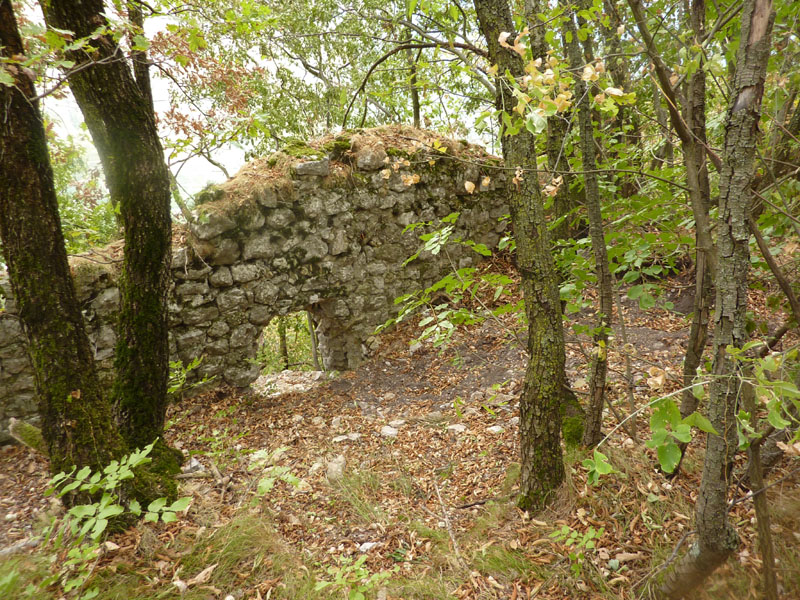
628,556
202,576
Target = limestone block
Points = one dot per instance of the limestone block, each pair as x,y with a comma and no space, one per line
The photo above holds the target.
203,314
317,168
191,288
211,225
217,347
190,339
180,258
218,329
241,376
192,274
225,252
24,382
211,366
13,366
10,329
259,315
314,248
232,299
280,218
243,336
265,292
250,217
221,277
104,341
107,301
244,272
258,246
370,158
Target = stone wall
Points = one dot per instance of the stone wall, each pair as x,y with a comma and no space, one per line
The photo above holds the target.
319,228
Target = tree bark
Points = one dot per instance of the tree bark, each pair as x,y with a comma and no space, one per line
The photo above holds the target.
557,132
122,124
76,417
716,537
597,383
545,389
694,151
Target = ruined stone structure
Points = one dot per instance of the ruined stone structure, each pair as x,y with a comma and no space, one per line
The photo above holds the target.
318,228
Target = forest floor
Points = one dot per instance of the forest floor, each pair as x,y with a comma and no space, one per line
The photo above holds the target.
423,506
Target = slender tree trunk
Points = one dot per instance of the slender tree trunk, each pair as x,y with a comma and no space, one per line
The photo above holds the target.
694,151
283,348
755,475
597,384
545,382
312,333
557,132
716,537
76,417
121,121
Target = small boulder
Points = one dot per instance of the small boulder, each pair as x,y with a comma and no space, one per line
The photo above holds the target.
336,467
388,431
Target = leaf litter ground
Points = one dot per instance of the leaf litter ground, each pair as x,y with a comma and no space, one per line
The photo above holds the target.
430,441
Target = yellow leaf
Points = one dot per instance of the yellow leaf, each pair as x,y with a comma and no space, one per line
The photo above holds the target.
469,186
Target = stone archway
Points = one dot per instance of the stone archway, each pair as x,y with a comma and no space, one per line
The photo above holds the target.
317,227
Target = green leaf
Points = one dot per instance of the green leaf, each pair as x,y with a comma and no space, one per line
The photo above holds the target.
601,463
697,420
181,504
669,455
140,43
99,527
151,517
775,418
535,123
683,433
110,511
635,291
157,504
135,507
168,517
5,77
411,6
83,511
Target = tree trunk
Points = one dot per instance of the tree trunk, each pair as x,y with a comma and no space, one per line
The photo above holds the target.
716,537
545,382
597,384
123,127
283,348
694,151
312,334
76,416
557,132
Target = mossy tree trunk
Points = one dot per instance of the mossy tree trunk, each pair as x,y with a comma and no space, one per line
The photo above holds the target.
76,417
545,389
716,537
120,118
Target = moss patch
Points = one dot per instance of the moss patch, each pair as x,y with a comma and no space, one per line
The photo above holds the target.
300,149
210,193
